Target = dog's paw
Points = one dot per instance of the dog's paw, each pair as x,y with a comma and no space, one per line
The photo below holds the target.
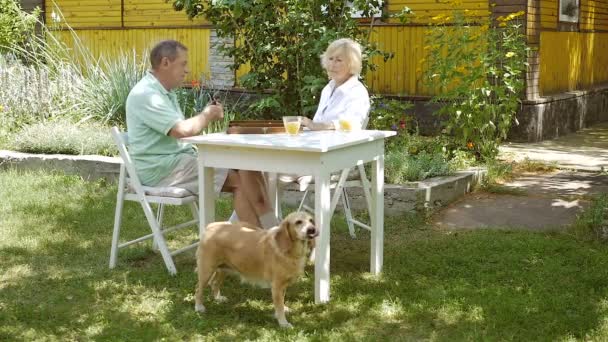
199,308
220,299
285,324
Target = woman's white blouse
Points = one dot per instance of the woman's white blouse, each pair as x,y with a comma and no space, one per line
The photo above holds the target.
350,99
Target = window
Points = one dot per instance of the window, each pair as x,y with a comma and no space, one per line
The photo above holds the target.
568,10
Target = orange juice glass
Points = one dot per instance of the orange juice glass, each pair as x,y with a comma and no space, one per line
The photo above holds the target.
292,124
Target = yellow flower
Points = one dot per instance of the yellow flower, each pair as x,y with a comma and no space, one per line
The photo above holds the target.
510,54
502,24
438,17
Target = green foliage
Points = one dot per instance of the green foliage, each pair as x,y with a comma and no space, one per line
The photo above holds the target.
106,85
390,114
479,72
281,42
194,100
16,26
63,137
401,167
592,224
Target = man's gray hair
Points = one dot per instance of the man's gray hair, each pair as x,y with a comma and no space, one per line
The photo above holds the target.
165,48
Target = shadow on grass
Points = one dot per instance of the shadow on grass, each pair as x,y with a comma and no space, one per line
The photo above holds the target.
435,285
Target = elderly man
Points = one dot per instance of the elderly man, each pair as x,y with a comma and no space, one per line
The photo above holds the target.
155,122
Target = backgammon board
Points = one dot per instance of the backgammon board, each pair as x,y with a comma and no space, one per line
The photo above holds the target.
255,127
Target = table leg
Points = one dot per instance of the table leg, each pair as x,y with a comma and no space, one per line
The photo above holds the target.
206,195
377,215
274,193
322,217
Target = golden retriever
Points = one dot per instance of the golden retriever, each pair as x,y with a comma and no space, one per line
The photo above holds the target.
272,258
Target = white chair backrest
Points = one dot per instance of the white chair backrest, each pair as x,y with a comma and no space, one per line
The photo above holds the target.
365,122
121,139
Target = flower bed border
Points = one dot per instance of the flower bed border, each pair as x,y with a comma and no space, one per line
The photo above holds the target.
432,192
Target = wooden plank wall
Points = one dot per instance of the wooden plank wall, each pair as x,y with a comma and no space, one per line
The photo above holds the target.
426,9
577,57
111,27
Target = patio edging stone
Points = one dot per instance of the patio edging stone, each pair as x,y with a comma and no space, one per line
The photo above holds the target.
432,192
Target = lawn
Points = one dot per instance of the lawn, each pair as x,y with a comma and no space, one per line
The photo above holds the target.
55,284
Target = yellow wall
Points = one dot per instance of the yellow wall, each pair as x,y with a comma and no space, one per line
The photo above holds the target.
426,9
110,43
106,28
594,15
110,14
402,74
582,61
573,60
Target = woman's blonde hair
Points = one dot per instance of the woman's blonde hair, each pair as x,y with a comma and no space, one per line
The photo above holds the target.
351,50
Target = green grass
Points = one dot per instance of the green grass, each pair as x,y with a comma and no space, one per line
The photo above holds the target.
485,285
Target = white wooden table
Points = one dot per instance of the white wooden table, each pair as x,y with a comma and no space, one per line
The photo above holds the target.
316,153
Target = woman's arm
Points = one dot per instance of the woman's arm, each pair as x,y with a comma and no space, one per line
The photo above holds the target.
317,126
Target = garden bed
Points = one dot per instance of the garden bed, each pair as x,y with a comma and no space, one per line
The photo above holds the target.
432,192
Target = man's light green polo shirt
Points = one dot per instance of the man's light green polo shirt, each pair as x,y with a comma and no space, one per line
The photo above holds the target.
151,112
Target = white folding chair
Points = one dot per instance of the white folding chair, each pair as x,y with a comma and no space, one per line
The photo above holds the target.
347,178
131,189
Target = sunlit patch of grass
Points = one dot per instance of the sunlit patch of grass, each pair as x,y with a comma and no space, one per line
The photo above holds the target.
55,234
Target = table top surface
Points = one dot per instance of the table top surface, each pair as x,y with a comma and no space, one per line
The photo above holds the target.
307,141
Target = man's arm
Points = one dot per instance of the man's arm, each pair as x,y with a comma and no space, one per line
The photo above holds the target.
194,125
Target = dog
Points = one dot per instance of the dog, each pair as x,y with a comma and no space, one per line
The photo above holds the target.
272,258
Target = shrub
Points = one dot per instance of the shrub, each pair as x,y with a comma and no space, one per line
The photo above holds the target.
281,44
16,26
592,224
63,137
390,114
478,71
401,167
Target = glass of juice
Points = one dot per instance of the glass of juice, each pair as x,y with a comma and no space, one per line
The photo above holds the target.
346,124
292,124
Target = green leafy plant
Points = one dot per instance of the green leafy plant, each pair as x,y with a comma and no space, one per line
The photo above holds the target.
64,137
16,26
478,71
401,168
281,44
390,114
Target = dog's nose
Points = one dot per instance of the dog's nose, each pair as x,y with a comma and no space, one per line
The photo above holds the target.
311,231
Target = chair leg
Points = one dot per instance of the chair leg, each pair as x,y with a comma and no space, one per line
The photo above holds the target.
160,212
303,201
348,213
194,209
158,237
120,196
117,222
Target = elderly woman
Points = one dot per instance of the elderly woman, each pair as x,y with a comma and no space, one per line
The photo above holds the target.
344,96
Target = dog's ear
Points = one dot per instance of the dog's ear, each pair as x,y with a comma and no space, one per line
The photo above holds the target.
283,236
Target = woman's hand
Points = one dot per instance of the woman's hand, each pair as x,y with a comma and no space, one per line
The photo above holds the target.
306,122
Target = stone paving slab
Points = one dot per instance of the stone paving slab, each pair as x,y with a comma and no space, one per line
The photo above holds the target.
584,150
549,202
562,183
484,210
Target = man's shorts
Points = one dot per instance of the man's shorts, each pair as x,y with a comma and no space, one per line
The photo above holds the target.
185,175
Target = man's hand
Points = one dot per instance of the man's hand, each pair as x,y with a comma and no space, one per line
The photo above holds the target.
213,112
194,125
